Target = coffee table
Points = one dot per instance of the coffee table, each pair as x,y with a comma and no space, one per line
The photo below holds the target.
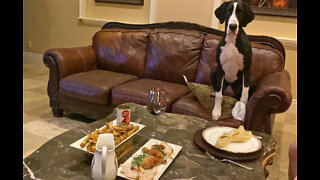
57,160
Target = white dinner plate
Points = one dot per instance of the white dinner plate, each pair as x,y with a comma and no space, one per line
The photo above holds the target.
211,135
161,167
77,143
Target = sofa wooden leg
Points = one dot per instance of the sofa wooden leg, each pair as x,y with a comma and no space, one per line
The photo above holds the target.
57,112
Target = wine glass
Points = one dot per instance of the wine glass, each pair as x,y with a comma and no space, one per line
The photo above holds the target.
161,104
150,107
156,105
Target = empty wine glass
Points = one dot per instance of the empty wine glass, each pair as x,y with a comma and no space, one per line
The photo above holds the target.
156,105
161,103
150,107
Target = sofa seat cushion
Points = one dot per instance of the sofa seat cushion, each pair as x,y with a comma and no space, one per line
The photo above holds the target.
189,105
203,93
137,92
93,86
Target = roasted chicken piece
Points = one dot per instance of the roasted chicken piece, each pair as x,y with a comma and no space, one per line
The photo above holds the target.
153,152
151,161
167,149
155,146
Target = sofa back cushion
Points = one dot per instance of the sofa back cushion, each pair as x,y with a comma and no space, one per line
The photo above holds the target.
121,50
208,59
265,60
172,53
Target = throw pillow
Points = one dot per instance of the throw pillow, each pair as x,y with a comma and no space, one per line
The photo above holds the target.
203,93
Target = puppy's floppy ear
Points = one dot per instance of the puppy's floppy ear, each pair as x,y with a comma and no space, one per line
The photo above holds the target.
220,12
248,15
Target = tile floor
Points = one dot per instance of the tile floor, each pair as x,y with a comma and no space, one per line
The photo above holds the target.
39,125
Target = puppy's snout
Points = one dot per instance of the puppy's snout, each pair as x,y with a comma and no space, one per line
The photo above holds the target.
233,27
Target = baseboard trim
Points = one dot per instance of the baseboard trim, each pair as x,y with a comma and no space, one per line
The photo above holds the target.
288,42
294,101
293,107
93,21
27,56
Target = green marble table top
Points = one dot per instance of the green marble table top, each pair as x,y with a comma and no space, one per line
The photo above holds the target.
57,160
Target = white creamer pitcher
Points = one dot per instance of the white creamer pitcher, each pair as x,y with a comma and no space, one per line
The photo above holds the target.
104,165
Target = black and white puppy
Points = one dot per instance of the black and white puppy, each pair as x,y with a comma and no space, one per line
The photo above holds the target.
233,57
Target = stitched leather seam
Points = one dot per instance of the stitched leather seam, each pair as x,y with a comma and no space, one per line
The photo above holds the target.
125,94
82,59
130,31
191,113
200,58
178,33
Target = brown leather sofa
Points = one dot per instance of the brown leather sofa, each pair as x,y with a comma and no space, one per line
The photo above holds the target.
126,60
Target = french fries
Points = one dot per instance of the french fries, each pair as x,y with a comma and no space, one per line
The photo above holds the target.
120,133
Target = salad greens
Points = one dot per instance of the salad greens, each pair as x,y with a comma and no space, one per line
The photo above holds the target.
162,152
137,160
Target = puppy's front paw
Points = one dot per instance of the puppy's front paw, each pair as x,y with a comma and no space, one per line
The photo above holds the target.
216,113
239,111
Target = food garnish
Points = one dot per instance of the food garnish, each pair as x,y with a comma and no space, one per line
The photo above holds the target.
137,160
162,152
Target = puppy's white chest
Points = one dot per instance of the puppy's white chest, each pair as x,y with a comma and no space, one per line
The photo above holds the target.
231,61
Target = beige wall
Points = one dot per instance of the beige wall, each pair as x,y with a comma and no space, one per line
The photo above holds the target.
185,10
118,12
280,27
54,23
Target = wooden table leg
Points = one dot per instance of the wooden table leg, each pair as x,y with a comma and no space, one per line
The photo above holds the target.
267,161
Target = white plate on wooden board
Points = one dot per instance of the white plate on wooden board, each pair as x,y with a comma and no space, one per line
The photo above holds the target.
78,142
211,135
162,167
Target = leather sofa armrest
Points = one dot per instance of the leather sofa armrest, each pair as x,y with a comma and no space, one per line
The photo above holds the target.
271,95
70,60
63,62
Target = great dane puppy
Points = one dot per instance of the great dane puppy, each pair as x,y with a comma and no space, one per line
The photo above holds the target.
233,57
